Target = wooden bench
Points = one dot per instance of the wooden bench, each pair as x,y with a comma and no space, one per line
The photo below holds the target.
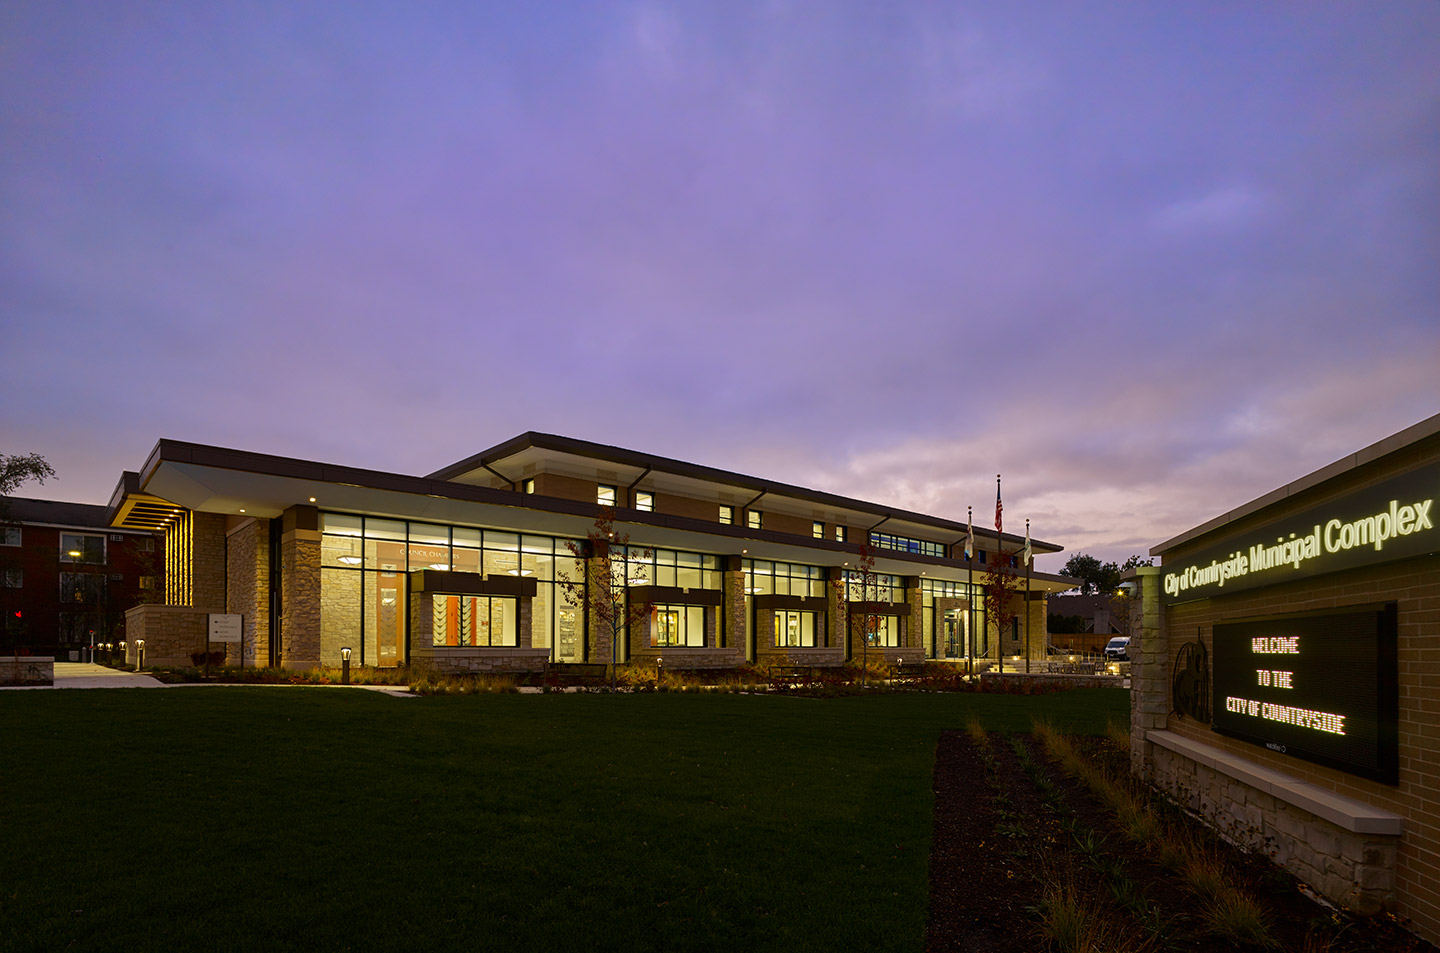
787,674
909,671
577,671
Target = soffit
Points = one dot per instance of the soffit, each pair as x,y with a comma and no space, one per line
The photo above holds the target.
218,489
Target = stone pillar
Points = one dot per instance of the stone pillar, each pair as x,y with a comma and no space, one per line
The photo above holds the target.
733,584
300,587
209,561
247,586
837,609
914,626
1149,682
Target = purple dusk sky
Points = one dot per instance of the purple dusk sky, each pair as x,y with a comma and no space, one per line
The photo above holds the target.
1147,260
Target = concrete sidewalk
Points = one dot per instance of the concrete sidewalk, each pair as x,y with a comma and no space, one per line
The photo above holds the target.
88,675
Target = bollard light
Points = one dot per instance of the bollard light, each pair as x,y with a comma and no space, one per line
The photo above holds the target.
139,654
345,665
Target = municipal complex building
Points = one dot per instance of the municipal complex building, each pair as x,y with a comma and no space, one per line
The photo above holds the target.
466,569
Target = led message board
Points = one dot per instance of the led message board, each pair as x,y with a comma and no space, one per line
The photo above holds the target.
1322,686
1395,519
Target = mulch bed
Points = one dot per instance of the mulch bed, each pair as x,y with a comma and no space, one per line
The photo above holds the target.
991,857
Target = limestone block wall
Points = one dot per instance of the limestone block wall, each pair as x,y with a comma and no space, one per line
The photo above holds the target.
300,588
1353,868
171,633
247,591
733,582
27,670
208,553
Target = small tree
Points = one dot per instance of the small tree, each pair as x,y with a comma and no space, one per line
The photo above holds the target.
603,594
867,580
1000,585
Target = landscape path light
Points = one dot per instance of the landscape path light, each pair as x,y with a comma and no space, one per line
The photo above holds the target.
139,654
345,665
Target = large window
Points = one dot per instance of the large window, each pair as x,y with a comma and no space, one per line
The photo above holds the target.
906,544
83,587
474,620
763,577
794,628
78,548
886,632
669,567
677,625
882,587
363,580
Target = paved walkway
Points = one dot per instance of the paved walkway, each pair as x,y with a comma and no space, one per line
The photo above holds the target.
87,675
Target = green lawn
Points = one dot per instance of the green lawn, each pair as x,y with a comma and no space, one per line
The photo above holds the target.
320,819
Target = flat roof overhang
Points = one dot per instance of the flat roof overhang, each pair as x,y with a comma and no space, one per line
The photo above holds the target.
534,452
236,483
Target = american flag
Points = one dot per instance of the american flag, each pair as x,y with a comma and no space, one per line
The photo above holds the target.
999,507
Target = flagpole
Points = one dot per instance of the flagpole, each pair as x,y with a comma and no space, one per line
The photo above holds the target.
999,552
1026,603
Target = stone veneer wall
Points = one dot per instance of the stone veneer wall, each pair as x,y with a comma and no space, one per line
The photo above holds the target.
1355,868
208,573
26,670
247,592
300,599
171,633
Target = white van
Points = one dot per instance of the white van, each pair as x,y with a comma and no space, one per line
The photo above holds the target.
1118,649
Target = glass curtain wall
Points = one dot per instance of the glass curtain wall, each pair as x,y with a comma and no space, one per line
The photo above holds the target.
947,634
765,577
363,596
671,624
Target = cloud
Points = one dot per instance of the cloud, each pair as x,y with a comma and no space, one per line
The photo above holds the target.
1220,209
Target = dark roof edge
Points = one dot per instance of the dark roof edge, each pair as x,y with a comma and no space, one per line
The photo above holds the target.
1394,443
178,451
546,441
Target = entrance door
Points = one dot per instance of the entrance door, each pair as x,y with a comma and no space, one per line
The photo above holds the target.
954,633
